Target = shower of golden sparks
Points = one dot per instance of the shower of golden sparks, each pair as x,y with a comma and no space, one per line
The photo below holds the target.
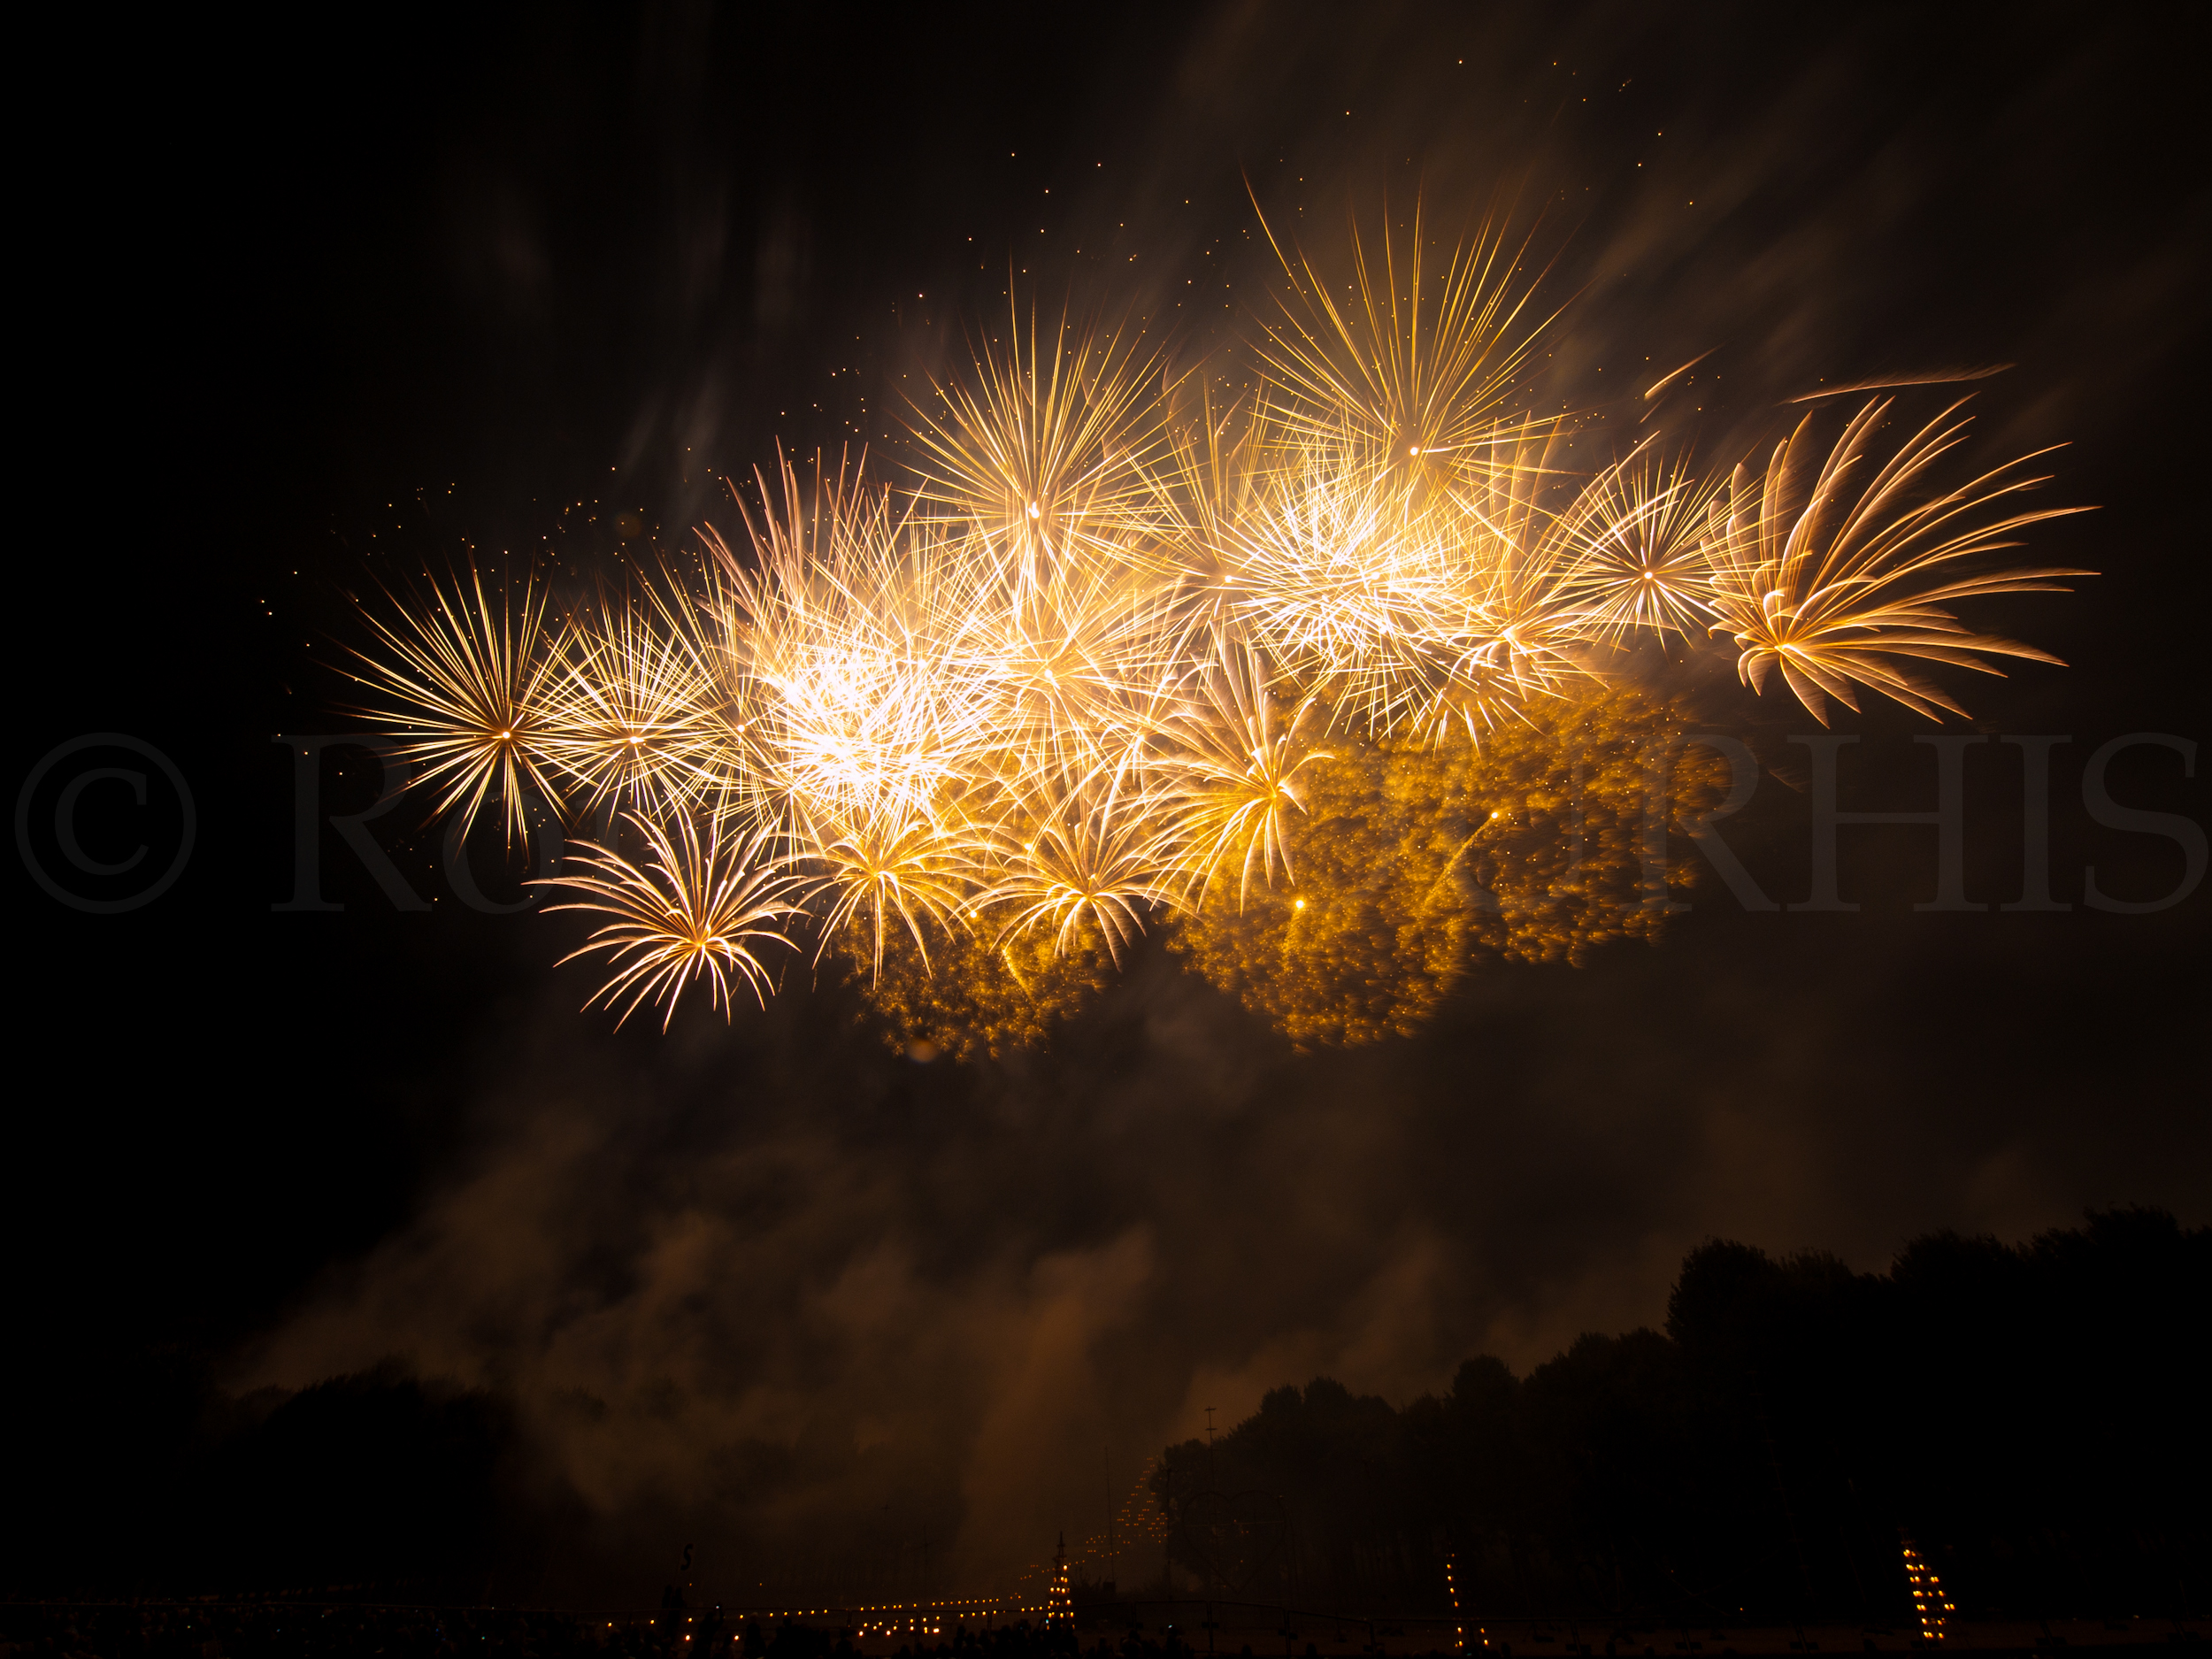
1329,680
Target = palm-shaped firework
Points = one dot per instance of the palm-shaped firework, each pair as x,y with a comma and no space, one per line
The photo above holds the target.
1845,577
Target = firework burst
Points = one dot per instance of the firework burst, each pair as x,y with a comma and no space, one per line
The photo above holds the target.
629,715
1412,370
1235,757
1041,454
1844,577
693,910
467,686
1089,852
1641,560
1121,653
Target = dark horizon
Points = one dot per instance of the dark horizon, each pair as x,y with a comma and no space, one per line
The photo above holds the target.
1762,1461
414,296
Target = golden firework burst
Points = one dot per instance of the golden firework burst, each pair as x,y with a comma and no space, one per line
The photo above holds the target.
1328,673
467,686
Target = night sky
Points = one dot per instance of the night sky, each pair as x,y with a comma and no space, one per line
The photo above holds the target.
314,307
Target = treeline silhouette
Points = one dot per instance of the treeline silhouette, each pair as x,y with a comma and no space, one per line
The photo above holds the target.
2031,1418
375,1487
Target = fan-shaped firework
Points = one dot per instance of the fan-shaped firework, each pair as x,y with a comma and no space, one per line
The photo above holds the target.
1327,671
1843,577
693,909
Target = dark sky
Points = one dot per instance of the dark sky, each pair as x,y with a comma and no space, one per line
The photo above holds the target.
316,306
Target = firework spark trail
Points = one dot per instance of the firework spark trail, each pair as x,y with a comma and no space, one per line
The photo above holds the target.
1096,654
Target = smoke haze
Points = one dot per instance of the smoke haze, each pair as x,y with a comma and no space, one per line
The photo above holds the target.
858,1325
